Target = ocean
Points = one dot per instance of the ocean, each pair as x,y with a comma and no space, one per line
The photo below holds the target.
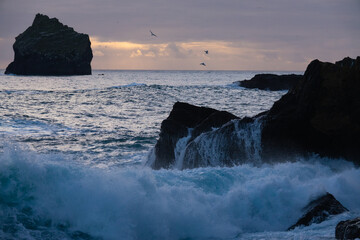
73,154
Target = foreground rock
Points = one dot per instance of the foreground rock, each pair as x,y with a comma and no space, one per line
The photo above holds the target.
182,118
271,82
321,114
50,48
319,210
349,229
193,137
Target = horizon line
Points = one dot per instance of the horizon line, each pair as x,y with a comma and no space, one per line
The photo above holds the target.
205,70
195,70
192,70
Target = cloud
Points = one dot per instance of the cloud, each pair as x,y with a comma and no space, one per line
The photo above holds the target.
188,55
98,53
270,32
150,54
95,43
137,53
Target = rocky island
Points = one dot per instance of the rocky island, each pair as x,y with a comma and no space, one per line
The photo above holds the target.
50,48
271,82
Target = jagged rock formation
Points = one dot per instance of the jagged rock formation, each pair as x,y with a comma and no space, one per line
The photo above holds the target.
319,210
349,229
321,114
48,47
194,137
182,118
271,82
234,143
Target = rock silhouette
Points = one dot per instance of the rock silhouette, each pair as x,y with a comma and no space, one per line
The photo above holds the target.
321,114
48,47
271,82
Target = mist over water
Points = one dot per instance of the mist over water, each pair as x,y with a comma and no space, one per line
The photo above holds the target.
73,152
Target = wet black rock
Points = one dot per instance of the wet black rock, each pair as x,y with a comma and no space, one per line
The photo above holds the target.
271,82
349,229
232,144
48,47
319,210
182,118
321,114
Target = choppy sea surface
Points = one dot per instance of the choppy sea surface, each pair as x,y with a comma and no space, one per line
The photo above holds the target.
73,153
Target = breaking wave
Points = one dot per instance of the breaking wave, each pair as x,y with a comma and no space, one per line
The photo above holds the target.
233,144
50,196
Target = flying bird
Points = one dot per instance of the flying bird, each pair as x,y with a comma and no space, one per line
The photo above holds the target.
152,34
206,51
203,64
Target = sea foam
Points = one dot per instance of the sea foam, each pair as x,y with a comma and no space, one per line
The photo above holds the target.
51,193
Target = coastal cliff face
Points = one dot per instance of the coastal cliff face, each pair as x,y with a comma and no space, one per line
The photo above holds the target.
321,114
48,47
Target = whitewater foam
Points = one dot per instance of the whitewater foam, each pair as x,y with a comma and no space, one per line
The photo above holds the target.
179,151
139,203
249,137
233,144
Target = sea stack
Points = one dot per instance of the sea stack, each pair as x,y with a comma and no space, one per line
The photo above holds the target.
50,48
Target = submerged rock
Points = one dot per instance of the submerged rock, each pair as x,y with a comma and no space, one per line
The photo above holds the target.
48,47
271,82
349,229
319,210
321,114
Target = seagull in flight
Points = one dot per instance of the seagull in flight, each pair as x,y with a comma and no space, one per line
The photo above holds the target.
206,51
152,34
203,64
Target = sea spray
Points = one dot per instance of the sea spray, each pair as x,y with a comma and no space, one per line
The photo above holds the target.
234,143
180,148
138,203
249,137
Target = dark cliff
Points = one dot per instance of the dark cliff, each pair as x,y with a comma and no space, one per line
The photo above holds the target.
48,47
321,115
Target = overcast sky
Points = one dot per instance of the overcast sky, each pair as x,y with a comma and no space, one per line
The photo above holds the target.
239,34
